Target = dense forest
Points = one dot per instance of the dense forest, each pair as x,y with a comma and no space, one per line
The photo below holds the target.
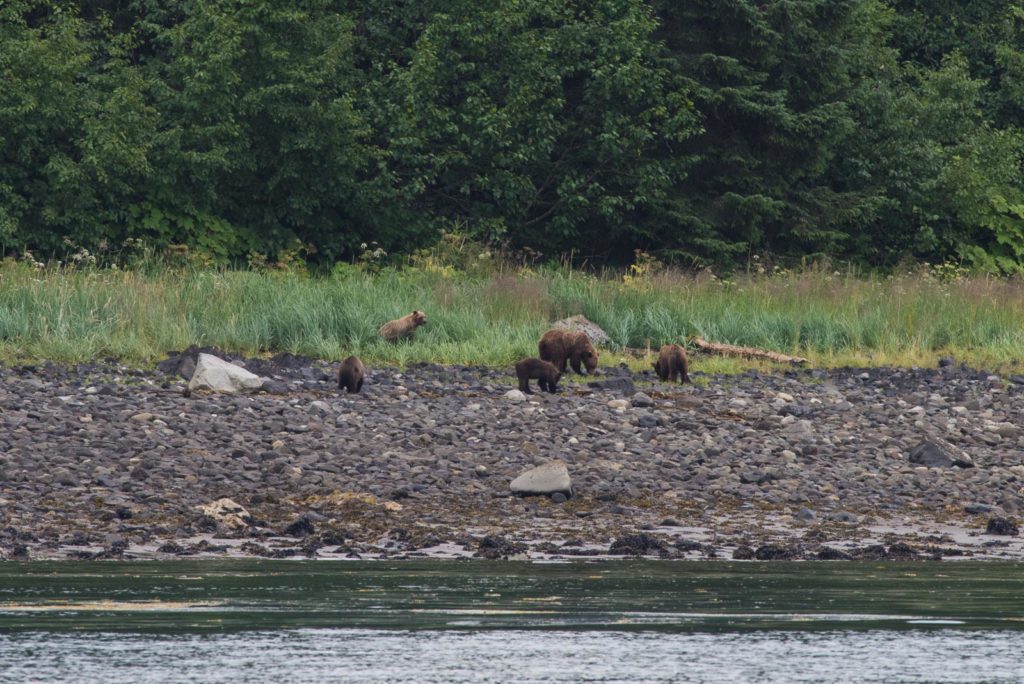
875,131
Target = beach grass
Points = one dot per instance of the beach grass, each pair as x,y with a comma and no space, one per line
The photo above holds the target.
495,318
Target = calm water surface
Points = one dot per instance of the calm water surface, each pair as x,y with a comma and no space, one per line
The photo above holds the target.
283,621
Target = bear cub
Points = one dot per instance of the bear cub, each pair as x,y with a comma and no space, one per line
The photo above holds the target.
561,346
546,375
672,363
392,331
351,374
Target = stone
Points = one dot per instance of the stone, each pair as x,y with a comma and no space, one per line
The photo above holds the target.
977,508
636,545
558,497
935,452
274,387
618,404
226,512
842,516
216,374
547,478
1002,526
321,407
946,362
641,400
302,527
515,395
619,384
497,548
647,420
770,552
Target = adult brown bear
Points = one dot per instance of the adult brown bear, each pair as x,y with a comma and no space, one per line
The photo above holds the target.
351,374
672,363
561,346
392,331
546,375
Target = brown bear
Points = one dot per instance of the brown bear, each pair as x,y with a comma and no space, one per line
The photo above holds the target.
672,363
351,374
561,346
546,375
392,331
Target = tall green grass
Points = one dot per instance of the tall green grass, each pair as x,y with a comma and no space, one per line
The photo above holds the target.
140,315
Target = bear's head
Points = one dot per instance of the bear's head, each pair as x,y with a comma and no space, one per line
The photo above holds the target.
419,318
589,357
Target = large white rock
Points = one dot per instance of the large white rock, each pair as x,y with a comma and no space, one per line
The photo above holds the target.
546,478
213,373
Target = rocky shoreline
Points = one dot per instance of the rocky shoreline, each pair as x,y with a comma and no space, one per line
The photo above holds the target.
101,461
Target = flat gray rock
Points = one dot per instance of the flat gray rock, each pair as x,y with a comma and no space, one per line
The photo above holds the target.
938,453
547,478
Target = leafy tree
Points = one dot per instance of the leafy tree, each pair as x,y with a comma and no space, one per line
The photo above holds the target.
941,180
770,80
550,124
260,144
75,128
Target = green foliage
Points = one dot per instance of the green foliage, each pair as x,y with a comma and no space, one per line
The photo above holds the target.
874,131
547,124
86,311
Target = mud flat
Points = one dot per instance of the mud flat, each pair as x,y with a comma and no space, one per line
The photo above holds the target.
107,462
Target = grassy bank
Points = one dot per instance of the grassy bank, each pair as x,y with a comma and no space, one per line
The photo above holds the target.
494,319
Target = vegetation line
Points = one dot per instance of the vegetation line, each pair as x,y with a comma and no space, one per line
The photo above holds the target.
495,317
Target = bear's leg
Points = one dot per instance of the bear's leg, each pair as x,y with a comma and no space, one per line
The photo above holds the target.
524,385
575,362
359,385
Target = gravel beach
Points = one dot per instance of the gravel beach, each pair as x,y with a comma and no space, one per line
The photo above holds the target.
102,461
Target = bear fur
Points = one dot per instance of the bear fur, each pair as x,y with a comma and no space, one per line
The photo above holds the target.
546,375
351,374
392,331
574,347
672,363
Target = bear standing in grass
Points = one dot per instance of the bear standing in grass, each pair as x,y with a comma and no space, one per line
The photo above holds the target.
672,363
561,346
392,331
543,372
351,374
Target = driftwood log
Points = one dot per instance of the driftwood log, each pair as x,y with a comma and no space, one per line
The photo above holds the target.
748,352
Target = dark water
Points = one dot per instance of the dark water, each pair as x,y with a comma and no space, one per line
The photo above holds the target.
281,621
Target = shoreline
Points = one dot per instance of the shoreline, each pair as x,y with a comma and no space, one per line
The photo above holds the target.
110,462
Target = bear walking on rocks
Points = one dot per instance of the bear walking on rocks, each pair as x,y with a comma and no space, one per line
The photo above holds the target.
561,346
392,331
672,363
351,374
546,375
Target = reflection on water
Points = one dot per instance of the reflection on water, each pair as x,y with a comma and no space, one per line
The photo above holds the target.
243,621
426,657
